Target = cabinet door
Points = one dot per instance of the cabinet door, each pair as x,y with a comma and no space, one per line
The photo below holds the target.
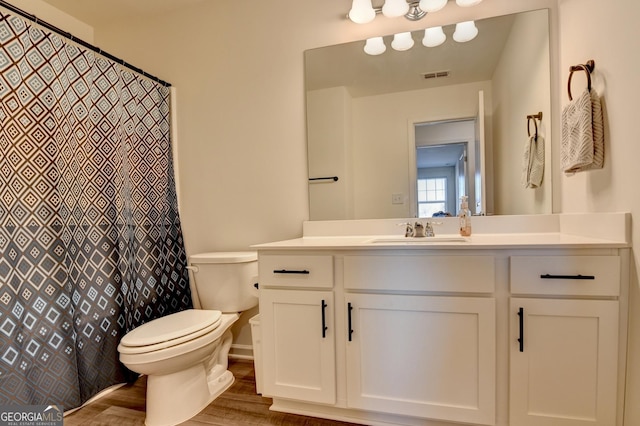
421,356
298,345
563,362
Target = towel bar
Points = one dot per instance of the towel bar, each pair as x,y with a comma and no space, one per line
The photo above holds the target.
533,117
587,68
333,178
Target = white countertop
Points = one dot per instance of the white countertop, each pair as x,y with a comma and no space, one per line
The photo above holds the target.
480,241
596,230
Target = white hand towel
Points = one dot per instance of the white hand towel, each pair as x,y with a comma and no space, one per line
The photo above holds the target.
582,134
533,162
597,126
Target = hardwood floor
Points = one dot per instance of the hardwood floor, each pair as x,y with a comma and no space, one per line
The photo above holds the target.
238,406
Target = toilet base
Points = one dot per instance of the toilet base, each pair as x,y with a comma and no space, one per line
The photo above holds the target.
176,398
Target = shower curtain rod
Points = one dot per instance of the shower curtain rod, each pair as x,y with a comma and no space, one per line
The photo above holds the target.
83,43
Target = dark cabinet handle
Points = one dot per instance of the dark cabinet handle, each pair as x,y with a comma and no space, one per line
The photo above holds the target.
521,321
324,323
349,309
567,277
291,271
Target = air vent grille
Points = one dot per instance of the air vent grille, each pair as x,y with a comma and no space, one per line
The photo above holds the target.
435,74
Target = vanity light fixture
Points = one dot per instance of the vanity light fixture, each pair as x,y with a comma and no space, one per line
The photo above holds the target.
402,41
362,11
415,13
395,8
375,46
467,3
433,37
432,5
465,31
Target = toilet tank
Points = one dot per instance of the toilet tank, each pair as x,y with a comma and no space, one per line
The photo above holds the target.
224,281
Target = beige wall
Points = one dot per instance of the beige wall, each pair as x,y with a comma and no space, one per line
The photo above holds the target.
381,150
50,14
516,82
364,141
608,32
238,70
239,74
329,145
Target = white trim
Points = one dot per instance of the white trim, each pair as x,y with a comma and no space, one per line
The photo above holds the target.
239,351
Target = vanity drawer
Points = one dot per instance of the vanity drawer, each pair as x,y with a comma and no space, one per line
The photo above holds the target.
566,275
466,274
295,271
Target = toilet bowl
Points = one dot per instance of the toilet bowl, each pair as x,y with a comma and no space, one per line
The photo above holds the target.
185,354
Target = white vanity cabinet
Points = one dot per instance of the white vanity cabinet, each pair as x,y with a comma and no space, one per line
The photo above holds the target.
417,343
495,332
298,346
564,350
298,328
422,356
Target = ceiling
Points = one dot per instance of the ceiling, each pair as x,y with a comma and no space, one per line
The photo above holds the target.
96,12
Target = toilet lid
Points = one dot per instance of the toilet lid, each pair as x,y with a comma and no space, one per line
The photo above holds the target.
173,329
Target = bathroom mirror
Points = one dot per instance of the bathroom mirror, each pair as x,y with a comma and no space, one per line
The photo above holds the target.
364,113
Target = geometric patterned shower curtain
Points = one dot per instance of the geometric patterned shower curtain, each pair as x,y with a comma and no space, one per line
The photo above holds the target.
90,237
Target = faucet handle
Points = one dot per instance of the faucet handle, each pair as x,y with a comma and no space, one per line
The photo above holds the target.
408,230
429,230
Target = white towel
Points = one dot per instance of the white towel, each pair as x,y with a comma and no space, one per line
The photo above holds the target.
582,134
533,162
597,125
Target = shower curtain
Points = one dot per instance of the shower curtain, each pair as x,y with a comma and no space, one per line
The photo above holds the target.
90,237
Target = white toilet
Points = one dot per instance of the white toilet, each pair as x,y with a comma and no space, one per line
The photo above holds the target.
185,354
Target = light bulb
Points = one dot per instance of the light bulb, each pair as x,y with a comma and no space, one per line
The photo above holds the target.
433,37
432,5
362,11
465,31
395,8
467,3
374,46
402,41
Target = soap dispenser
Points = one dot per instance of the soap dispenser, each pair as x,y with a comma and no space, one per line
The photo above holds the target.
465,217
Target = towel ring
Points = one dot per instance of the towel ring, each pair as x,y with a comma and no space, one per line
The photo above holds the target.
533,117
587,68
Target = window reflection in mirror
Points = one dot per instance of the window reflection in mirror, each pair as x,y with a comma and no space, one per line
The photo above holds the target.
445,166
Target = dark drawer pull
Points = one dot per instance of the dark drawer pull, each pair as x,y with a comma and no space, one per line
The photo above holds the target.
567,277
521,329
324,320
349,328
289,271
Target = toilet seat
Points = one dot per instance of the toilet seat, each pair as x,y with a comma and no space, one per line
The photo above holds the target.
171,330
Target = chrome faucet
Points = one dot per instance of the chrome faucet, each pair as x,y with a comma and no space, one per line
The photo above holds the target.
419,229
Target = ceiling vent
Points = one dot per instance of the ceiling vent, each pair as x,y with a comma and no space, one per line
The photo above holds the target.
436,74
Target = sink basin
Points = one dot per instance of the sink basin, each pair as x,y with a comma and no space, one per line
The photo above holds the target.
419,240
